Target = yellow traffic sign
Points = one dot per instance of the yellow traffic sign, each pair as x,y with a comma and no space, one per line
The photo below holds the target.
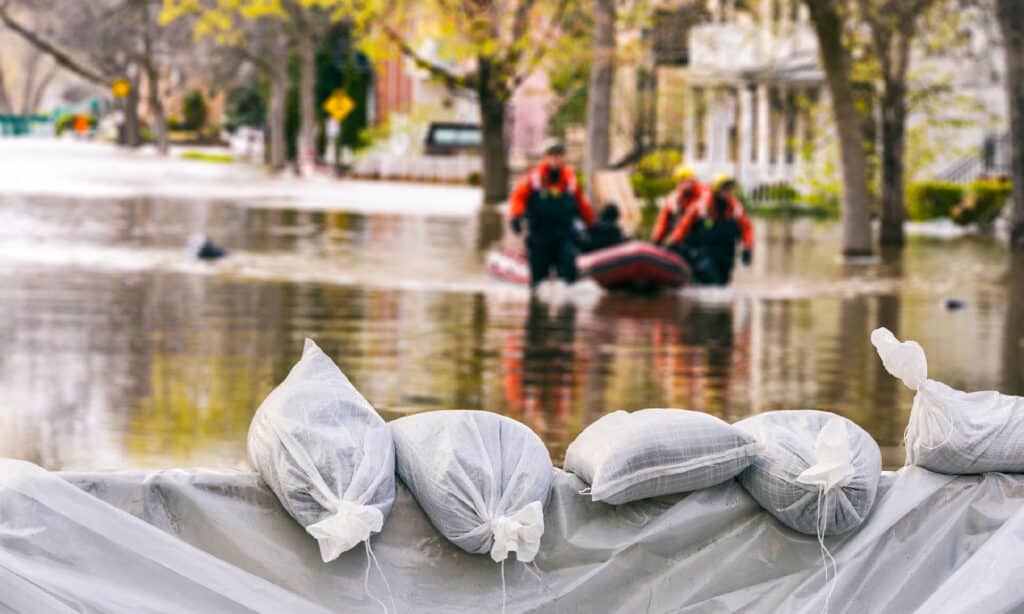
339,105
120,88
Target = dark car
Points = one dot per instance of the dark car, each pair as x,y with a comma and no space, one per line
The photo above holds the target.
449,138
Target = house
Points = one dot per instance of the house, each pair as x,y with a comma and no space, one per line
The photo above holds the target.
407,99
738,87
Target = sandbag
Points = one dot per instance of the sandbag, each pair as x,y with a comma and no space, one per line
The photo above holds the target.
951,431
817,472
652,452
326,454
482,479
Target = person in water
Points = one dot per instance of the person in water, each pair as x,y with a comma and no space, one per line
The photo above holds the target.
687,193
549,200
606,232
708,233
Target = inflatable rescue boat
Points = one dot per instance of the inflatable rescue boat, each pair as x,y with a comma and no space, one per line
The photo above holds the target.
634,265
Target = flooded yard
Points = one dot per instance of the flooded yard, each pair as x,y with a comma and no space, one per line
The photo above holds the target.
118,350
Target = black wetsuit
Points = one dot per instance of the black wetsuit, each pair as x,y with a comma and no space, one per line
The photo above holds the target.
551,242
604,234
711,249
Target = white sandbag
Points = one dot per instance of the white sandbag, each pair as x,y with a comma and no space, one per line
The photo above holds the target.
326,454
629,456
481,478
951,431
817,472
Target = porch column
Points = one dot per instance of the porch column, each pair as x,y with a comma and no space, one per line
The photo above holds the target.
744,132
691,125
711,126
799,136
780,127
763,130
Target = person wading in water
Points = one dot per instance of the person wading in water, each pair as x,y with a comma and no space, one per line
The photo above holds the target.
549,200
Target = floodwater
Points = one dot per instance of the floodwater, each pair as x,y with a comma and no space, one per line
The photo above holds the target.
117,350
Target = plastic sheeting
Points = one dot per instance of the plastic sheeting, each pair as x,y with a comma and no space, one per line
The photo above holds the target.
933,543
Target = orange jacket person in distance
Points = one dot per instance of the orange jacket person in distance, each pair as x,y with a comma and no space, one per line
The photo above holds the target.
550,200
686,194
707,235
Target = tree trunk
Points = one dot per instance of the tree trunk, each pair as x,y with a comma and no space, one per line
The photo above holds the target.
493,95
131,135
306,147
29,82
276,111
1011,22
894,125
599,97
1013,327
5,99
849,126
157,107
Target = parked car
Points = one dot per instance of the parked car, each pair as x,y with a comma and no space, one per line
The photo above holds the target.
450,138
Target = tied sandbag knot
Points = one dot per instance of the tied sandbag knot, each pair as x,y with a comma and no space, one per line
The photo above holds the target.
905,360
519,532
350,524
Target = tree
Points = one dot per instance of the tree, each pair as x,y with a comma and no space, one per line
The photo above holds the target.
487,47
289,25
1010,14
110,39
892,26
599,98
827,17
255,31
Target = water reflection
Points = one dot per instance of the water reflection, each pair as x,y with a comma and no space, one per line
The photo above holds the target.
161,362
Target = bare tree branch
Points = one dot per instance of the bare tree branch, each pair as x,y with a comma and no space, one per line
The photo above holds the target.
58,55
541,50
445,75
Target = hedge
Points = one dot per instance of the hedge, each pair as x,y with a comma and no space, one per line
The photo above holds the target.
984,202
927,200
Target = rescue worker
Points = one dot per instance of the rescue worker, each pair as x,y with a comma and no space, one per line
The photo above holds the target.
606,232
688,191
707,235
549,199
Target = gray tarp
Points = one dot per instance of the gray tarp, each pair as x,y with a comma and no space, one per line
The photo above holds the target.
212,541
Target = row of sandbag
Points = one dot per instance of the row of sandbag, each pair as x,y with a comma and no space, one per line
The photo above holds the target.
482,479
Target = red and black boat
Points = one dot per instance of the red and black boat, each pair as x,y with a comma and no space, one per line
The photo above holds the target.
635,265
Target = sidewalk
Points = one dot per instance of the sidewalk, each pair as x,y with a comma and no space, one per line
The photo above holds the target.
98,170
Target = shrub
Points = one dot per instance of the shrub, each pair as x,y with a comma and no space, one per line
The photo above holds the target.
782,192
649,189
66,122
194,110
474,178
659,164
984,202
931,199
653,176
244,107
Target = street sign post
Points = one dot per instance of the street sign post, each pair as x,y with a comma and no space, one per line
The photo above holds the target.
339,105
120,88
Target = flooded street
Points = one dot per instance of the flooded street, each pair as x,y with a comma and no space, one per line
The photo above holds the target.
118,350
